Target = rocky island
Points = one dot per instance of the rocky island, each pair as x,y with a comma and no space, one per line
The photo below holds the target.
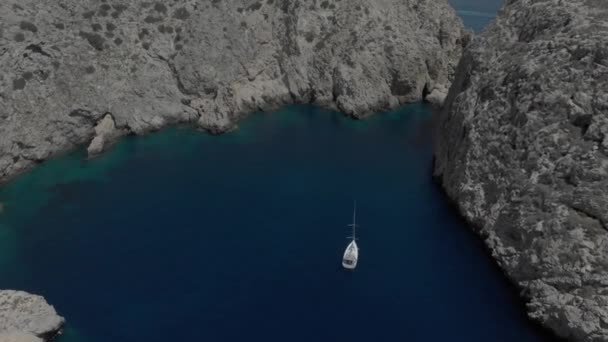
27,318
522,150
86,72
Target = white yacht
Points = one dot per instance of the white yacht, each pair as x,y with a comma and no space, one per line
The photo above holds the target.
351,254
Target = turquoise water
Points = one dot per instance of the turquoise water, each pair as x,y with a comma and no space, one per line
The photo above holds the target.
182,236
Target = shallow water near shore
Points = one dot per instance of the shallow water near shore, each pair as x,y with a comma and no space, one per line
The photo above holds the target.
180,235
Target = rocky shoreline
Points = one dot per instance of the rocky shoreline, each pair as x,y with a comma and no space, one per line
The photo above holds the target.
87,72
522,153
523,143
27,318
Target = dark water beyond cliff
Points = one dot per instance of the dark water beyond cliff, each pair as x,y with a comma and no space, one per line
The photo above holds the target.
476,14
181,236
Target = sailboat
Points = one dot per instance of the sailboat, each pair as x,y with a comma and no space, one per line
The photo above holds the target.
351,254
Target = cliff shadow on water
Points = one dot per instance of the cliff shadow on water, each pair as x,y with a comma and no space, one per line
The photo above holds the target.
474,231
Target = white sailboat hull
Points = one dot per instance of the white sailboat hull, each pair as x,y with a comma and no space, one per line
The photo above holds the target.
351,256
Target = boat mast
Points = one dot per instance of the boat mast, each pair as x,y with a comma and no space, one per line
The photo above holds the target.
354,225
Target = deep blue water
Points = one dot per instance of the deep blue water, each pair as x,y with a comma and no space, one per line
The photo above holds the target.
182,236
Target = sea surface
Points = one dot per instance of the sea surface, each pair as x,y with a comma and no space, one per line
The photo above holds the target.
183,236
476,14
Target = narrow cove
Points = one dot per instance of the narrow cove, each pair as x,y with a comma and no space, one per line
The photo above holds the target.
180,235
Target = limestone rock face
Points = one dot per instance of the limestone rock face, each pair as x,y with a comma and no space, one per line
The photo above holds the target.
523,151
19,337
25,317
65,64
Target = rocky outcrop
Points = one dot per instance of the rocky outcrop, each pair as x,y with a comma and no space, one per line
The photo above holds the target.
437,96
27,318
105,132
523,151
19,337
65,65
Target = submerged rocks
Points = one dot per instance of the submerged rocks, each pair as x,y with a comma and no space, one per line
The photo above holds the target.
66,65
25,317
523,151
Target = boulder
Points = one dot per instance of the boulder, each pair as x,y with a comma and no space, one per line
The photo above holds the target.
105,132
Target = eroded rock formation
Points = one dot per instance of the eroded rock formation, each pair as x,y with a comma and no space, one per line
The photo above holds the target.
68,64
523,151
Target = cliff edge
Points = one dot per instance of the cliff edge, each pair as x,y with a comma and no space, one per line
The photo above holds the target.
87,72
523,152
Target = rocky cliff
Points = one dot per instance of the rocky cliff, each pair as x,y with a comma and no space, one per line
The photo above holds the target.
78,72
27,318
523,151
